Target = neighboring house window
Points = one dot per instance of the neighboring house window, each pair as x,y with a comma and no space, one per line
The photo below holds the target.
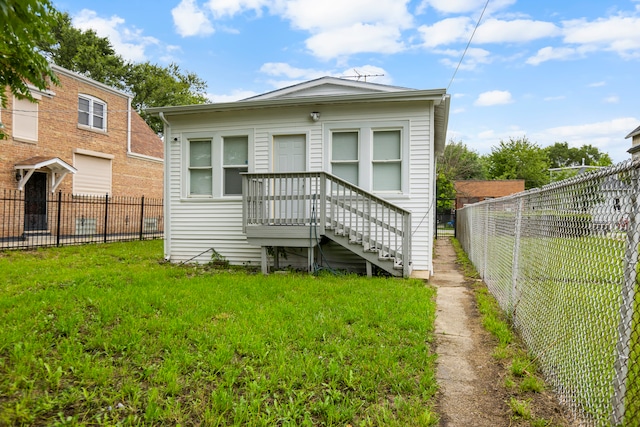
235,160
94,173
344,156
387,160
200,168
25,119
92,112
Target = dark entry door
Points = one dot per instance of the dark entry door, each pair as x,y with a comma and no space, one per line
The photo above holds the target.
35,203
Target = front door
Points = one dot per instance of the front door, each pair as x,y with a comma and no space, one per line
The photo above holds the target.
35,203
290,155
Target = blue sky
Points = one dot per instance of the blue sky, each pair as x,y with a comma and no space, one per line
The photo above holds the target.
549,70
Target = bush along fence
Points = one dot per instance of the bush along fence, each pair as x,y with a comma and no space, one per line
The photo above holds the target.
562,261
57,219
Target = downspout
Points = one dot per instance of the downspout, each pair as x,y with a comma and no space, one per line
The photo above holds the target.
128,125
166,191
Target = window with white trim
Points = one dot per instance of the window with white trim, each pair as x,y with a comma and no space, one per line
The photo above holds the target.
387,160
345,155
200,168
235,160
214,163
373,155
92,112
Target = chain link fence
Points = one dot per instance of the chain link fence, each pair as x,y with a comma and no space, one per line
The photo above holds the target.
562,261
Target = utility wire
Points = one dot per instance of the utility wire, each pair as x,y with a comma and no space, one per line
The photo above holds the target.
468,44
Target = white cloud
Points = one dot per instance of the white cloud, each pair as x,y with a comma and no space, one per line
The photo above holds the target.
619,34
354,39
190,20
286,75
613,99
494,97
463,6
320,16
515,31
598,84
607,136
229,8
236,95
447,31
282,69
550,53
472,58
127,41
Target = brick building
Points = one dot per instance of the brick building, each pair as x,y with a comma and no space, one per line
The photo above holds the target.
80,138
473,191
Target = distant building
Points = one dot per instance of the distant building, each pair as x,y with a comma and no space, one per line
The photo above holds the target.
635,143
473,191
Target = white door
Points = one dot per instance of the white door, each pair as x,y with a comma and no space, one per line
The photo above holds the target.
290,155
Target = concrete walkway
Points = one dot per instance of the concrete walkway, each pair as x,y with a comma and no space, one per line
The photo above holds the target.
464,362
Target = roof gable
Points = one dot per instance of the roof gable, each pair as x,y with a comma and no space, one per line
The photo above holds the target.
327,86
634,132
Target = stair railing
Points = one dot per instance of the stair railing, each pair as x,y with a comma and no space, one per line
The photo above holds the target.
326,202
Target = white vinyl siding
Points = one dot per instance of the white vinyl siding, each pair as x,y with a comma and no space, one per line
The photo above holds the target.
345,156
25,119
196,225
387,160
93,176
92,112
235,161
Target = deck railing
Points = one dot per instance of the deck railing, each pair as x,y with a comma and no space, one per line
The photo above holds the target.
326,202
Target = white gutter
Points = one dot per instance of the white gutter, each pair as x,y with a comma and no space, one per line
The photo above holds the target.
128,125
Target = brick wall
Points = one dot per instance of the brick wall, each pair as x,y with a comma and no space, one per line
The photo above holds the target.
472,191
59,135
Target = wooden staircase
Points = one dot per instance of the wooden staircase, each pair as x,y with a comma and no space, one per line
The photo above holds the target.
293,209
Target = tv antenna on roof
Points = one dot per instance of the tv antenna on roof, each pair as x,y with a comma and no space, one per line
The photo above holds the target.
359,76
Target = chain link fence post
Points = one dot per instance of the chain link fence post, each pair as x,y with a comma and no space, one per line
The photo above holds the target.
623,347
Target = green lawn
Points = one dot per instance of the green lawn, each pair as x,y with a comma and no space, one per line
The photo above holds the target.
108,334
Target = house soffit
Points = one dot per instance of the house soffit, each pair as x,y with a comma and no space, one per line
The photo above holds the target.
58,168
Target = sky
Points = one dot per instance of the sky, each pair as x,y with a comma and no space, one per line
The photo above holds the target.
548,70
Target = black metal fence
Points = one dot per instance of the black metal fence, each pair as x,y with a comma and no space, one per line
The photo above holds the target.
57,219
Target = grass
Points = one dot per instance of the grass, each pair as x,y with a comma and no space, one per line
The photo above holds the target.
107,334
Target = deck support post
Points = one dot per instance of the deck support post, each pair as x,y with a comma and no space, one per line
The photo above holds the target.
310,259
369,269
264,260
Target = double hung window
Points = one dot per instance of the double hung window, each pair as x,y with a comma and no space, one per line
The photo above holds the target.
214,164
387,160
92,112
344,156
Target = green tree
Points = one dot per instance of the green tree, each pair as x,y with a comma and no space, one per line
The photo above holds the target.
26,24
85,53
456,163
519,159
572,158
150,85
156,86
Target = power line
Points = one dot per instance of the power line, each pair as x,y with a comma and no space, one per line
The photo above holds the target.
468,44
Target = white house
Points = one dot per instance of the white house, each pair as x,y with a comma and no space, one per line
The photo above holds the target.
332,172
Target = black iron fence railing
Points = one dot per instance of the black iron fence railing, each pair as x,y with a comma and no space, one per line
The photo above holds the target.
57,219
